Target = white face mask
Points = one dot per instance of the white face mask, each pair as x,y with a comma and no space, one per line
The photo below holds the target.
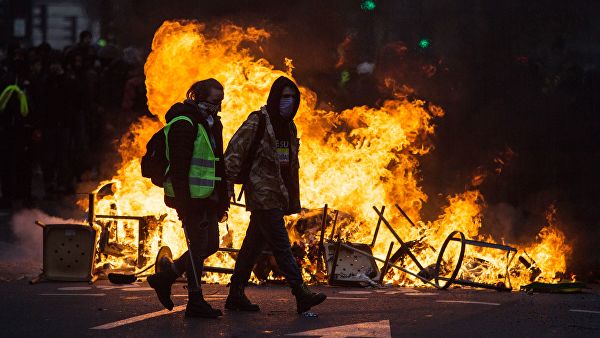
286,108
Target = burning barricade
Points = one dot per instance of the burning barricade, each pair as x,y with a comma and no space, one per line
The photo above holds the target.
350,159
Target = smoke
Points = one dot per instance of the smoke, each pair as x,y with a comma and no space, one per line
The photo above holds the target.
501,220
23,255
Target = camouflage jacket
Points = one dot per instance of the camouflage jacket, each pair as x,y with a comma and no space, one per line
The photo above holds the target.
265,188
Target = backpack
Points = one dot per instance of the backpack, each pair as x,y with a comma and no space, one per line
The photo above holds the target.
154,163
244,174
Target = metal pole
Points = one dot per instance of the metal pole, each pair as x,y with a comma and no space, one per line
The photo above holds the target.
386,264
402,244
142,224
377,227
187,240
405,215
476,284
335,260
91,208
334,224
320,252
241,194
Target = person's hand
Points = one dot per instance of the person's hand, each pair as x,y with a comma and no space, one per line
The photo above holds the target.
182,208
182,215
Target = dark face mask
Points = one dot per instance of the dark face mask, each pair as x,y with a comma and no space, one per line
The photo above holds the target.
286,108
210,108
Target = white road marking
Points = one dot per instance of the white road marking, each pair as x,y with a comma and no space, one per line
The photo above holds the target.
355,292
112,287
421,294
138,289
75,288
584,311
467,302
348,298
368,329
205,296
406,290
74,294
138,318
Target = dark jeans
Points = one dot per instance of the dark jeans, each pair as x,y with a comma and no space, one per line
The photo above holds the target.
266,228
202,229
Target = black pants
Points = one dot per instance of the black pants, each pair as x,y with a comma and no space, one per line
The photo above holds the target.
266,228
203,240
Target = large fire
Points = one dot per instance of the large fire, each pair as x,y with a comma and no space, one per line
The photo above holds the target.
351,160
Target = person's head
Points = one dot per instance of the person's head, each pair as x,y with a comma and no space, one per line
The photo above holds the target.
208,94
284,99
35,66
85,37
56,67
288,102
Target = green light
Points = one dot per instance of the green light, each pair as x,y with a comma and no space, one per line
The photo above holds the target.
344,77
101,43
424,43
368,5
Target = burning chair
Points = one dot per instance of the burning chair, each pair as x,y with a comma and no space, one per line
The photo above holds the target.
338,254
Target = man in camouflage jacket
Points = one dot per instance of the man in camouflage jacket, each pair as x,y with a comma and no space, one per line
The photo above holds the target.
272,191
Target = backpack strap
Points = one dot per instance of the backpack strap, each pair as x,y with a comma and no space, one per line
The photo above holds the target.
258,136
178,118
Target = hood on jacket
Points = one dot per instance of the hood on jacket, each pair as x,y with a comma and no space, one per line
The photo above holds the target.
275,97
187,107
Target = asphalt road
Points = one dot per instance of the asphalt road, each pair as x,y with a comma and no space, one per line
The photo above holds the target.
103,309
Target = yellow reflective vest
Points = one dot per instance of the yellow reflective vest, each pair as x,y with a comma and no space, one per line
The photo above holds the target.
202,175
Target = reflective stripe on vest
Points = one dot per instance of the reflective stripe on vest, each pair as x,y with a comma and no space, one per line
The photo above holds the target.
202,174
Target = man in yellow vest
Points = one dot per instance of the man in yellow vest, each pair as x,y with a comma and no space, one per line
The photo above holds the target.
195,186
272,191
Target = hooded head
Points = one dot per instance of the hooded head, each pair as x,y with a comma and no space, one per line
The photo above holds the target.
274,102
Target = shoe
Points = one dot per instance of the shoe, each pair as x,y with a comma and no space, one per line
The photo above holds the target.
164,264
305,299
237,300
161,282
197,307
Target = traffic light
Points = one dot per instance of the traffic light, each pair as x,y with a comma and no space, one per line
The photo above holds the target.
424,43
368,5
